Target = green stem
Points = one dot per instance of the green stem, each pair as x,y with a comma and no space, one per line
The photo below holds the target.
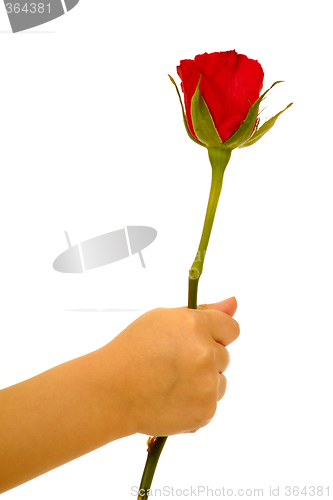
219,159
154,451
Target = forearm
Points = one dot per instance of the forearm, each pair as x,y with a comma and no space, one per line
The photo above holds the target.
58,416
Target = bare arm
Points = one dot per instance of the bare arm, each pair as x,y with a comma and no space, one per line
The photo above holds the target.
57,416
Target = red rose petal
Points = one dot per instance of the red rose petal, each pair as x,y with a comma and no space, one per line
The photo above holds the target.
229,81
189,76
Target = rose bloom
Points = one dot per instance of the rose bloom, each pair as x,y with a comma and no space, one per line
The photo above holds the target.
230,84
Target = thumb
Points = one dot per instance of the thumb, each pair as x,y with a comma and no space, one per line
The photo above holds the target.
227,306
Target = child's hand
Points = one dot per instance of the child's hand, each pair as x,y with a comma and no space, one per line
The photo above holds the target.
171,363
162,375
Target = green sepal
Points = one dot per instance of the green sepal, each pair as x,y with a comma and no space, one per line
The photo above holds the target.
203,123
246,128
262,130
184,115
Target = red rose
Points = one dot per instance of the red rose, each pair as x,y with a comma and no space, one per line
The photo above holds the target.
230,83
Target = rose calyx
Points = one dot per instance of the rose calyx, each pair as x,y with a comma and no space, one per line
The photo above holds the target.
206,132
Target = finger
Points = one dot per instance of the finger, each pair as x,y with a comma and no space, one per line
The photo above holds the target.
222,358
221,327
227,306
222,387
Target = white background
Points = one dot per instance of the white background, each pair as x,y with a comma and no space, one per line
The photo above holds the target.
92,139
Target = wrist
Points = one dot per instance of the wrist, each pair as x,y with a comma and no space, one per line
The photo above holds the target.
112,384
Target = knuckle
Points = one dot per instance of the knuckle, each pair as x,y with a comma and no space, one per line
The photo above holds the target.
227,358
222,387
236,327
208,397
208,357
189,321
208,411
203,307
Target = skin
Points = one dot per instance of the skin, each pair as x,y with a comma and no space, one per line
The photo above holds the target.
162,375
